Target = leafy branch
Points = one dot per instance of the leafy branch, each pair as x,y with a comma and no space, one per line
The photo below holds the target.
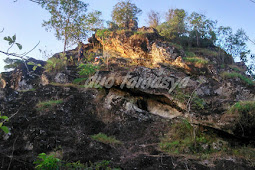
23,56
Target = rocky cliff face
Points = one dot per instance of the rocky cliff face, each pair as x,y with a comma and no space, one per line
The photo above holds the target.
144,102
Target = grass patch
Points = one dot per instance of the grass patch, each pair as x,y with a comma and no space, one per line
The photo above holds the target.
236,68
48,104
196,60
204,52
51,162
106,139
243,107
190,54
65,85
79,80
231,75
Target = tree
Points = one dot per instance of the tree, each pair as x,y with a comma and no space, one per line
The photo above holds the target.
70,20
201,28
233,44
175,25
176,20
154,19
123,12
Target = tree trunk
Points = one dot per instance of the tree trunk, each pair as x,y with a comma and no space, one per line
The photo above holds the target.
64,52
197,39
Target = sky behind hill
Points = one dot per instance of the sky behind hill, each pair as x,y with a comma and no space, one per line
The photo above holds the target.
24,19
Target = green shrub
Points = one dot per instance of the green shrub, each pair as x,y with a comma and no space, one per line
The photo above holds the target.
56,64
47,162
104,33
232,75
105,139
48,104
87,69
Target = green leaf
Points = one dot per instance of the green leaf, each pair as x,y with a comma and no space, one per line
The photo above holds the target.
14,38
5,129
34,68
8,39
31,63
4,117
39,65
19,46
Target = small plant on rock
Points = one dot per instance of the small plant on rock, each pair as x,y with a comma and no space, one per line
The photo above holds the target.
48,104
105,139
3,119
87,70
47,162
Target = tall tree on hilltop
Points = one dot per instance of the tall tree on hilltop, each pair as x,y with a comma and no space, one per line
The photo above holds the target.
201,27
70,20
175,25
154,19
125,11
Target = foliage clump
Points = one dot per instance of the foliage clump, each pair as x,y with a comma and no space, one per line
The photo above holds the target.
47,162
87,69
51,162
56,64
12,63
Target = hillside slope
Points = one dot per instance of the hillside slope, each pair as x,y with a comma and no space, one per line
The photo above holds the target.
167,107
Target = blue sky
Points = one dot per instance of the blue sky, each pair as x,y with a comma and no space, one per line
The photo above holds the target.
24,19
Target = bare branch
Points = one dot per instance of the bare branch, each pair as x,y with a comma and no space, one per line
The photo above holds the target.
253,42
24,55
